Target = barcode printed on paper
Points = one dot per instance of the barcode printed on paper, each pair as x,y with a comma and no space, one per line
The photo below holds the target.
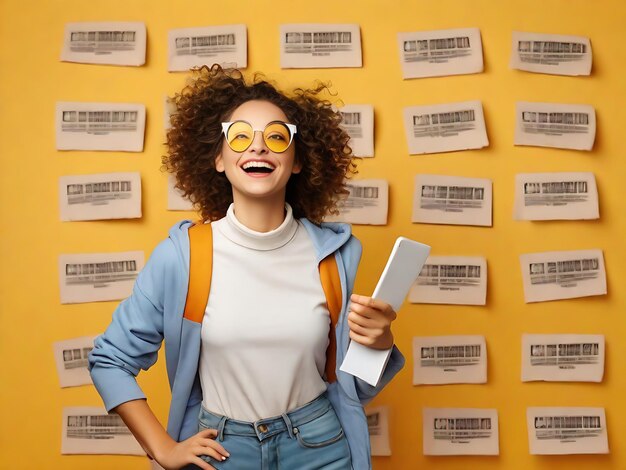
101,273
461,429
564,355
567,427
99,121
449,277
442,48
351,122
358,121
366,203
551,53
96,426
206,46
564,273
75,358
320,45
555,123
443,124
451,198
102,42
92,192
443,356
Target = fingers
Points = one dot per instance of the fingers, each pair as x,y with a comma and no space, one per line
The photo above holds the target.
362,339
206,450
362,322
212,444
372,308
202,464
209,446
370,302
210,433
369,321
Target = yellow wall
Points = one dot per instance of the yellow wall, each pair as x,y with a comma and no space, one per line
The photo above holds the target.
33,79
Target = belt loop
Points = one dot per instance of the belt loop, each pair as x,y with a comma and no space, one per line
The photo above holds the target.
289,425
220,428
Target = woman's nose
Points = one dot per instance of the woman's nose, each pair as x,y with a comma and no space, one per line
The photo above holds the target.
258,143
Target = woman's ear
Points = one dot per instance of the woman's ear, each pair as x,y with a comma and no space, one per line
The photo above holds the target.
297,167
219,163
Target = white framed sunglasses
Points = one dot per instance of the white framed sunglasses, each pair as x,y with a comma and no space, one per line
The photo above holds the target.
277,135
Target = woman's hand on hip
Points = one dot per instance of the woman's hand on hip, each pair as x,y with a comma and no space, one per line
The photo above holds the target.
188,451
370,320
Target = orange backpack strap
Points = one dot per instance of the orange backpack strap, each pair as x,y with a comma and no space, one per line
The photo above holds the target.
329,275
200,270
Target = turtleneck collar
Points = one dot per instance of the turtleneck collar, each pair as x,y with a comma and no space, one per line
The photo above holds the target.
238,233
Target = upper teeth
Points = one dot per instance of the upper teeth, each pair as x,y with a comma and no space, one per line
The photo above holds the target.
257,165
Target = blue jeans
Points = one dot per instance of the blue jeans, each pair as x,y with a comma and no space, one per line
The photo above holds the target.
307,438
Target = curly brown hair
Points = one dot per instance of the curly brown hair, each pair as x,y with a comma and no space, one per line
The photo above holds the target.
195,139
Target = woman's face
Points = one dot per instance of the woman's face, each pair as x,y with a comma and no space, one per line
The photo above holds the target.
258,172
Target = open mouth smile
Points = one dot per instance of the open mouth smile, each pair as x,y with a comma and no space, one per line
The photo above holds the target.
258,168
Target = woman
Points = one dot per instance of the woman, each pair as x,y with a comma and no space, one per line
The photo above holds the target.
248,380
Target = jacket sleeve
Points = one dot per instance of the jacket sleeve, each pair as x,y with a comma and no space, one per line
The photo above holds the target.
132,340
366,391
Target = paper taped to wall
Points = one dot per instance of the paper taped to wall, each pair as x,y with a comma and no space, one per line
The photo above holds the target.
70,357
320,45
455,200
551,53
440,52
91,430
367,203
457,280
378,427
449,360
565,126
460,431
100,126
111,43
195,47
559,431
358,121
93,277
562,358
100,196
556,196
445,127
556,275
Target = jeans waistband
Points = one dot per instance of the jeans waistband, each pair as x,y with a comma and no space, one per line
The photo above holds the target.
267,427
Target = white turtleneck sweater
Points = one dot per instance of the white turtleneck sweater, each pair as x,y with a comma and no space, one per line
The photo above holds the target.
265,329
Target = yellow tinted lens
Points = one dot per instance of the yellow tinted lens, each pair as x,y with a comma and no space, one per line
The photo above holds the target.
277,137
240,135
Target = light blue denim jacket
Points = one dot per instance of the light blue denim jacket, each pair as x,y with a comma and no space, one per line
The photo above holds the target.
154,312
